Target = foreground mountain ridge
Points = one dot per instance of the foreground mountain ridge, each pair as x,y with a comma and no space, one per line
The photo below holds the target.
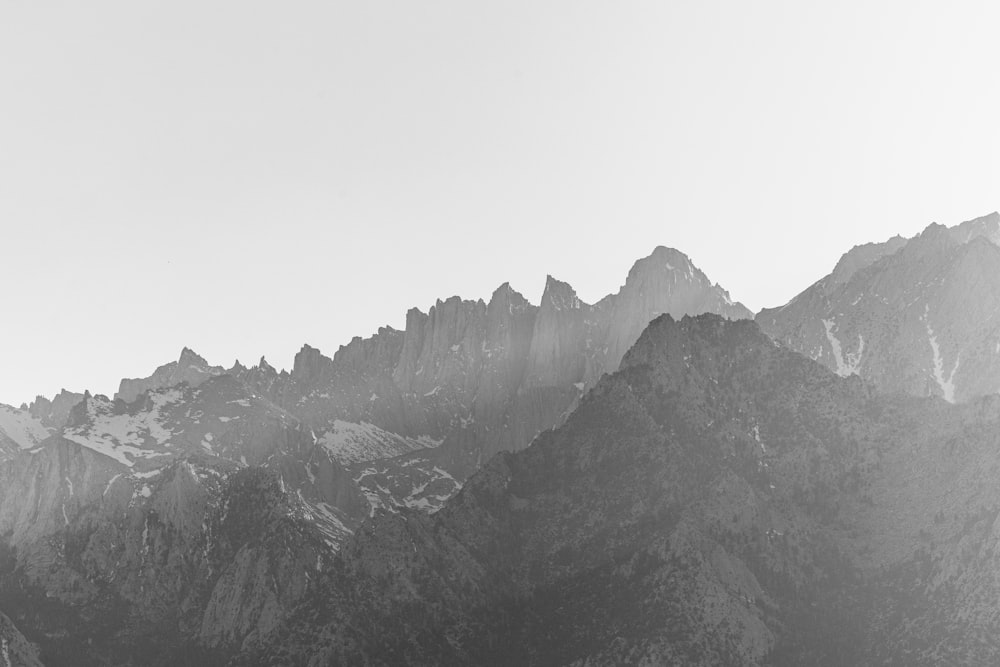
719,500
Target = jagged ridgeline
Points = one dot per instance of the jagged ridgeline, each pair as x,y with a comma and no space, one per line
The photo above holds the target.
182,521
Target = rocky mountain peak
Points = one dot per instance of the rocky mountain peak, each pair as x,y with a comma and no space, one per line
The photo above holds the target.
934,229
190,367
189,357
559,295
503,289
692,342
53,413
310,365
661,261
507,297
374,354
936,236
81,412
861,256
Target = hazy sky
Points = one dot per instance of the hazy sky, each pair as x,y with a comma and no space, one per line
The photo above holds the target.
243,177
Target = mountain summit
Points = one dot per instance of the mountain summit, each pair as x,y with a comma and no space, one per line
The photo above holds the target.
190,367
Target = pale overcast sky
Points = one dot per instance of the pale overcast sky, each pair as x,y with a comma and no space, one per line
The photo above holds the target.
244,177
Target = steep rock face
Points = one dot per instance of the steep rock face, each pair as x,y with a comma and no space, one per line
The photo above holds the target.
53,413
311,367
189,368
263,379
443,343
666,282
355,386
265,572
15,650
719,500
510,325
19,429
560,354
920,316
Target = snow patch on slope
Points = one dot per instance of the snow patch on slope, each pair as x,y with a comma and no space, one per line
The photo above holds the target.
125,437
852,363
348,442
21,427
411,483
947,385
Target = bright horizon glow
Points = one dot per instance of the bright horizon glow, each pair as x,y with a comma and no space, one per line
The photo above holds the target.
243,178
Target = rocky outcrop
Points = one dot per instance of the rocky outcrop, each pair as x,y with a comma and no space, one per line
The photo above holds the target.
19,430
920,316
53,413
189,368
15,650
268,560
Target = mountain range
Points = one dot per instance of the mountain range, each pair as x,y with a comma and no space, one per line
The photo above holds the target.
810,485
117,508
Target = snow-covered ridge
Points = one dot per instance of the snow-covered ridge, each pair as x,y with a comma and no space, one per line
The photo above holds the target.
21,427
947,385
349,442
850,364
126,437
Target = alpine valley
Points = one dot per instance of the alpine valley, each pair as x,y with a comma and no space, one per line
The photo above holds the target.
659,478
